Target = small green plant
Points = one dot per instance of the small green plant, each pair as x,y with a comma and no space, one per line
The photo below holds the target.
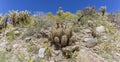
68,54
48,52
32,48
11,35
21,57
84,20
2,57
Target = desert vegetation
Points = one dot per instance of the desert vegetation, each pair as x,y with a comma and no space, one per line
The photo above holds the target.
63,37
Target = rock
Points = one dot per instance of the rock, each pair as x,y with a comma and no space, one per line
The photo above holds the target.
85,55
8,48
76,48
90,42
57,52
71,48
17,32
1,35
15,46
116,56
90,23
37,35
87,33
3,46
41,52
100,29
77,43
67,49
27,39
52,60
105,38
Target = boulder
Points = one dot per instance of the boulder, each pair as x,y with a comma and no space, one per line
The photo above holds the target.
71,48
87,32
85,55
91,23
17,32
90,42
100,29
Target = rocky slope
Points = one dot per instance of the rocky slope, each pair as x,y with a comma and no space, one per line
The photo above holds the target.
91,39
91,46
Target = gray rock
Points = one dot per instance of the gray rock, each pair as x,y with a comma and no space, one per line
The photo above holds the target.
85,55
90,42
57,52
17,32
87,33
41,52
106,38
52,60
1,35
67,49
91,23
100,29
3,46
16,46
27,39
71,48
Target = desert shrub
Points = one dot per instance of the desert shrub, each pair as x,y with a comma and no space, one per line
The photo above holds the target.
3,57
48,51
50,16
11,35
1,18
106,24
45,21
19,17
76,29
79,13
88,11
32,48
114,18
103,9
38,23
84,20
60,11
66,16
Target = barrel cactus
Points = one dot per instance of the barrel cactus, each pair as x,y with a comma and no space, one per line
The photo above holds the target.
61,36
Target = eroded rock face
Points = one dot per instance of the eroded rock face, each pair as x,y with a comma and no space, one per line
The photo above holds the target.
90,42
85,55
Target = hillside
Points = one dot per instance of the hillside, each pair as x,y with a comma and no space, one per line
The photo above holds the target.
87,36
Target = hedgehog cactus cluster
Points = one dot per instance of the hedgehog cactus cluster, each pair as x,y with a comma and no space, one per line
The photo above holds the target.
62,36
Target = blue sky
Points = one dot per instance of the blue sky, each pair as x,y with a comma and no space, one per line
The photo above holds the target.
52,5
